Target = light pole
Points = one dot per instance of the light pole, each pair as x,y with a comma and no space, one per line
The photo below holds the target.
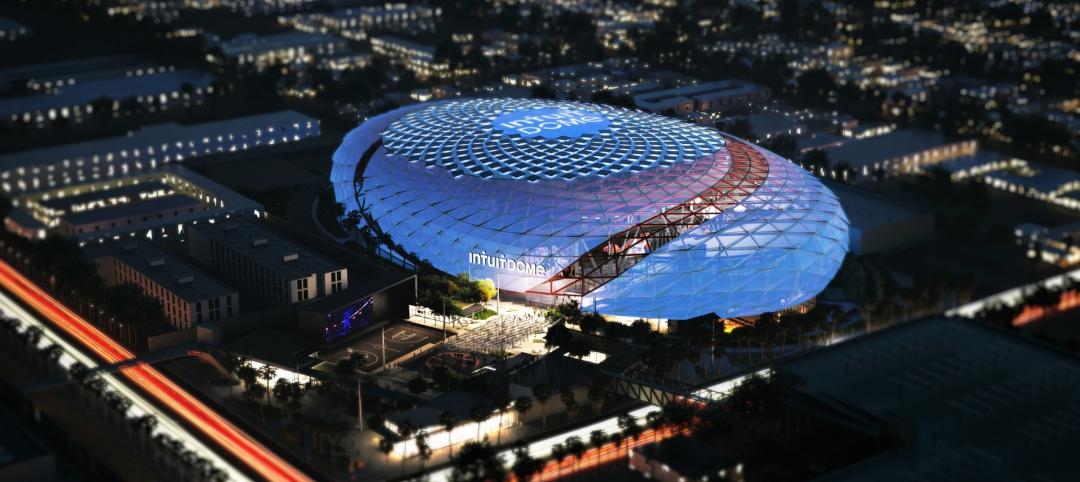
359,405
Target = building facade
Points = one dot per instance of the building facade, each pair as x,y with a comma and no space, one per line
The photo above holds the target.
264,263
188,296
149,148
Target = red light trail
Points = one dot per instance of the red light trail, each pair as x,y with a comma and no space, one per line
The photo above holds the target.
240,445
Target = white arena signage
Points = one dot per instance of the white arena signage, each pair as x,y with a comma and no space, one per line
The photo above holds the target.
551,123
507,264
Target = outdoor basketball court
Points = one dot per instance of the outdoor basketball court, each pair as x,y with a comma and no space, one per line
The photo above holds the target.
401,338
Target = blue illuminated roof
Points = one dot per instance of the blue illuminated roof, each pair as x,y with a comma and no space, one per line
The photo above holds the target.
504,138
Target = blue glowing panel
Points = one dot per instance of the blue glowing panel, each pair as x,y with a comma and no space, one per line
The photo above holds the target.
350,319
576,207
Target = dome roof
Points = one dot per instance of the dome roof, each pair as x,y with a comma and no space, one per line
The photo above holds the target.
631,213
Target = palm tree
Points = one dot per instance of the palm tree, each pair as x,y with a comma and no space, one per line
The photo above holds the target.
502,403
542,393
617,439
423,449
478,461
524,463
448,421
629,426
266,373
522,406
558,453
597,439
478,415
575,447
406,429
386,446
566,394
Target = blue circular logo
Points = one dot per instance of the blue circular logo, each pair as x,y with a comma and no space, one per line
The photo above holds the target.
551,123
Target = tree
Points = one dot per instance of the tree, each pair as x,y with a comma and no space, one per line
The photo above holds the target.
449,421
522,406
629,426
597,439
566,394
525,466
386,446
479,462
423,448
575,447
558,335
351,221
559,453
816,159
478,415
405,428
502,404
267,373
617,440
542,393
486,289
417,385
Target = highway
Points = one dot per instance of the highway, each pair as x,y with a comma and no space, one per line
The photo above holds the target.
151,384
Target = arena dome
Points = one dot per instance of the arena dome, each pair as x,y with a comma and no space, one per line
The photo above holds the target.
627,212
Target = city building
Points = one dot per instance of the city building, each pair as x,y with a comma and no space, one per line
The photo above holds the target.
767,125
628,212
879,223
355,23
23,456
262,51
148,148
680,459
1057,245
157,89
905,150
11,30
188,296
719,96
151,204
46,78
264,263
966,400
1035,180
414,56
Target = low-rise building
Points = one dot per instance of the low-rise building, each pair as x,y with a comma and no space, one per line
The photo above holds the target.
154,204
718,96
157,88
879,223
263,51
187,295
905,150
1035,180
146,149
265,263
11,30
415,56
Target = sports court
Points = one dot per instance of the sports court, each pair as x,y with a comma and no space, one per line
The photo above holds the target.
401,338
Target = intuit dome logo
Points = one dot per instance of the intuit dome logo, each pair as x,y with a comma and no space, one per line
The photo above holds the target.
551,123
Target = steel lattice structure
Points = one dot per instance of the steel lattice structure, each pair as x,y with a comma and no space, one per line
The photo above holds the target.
630,213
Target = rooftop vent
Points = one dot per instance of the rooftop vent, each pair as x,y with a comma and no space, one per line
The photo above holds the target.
156,262
185,279
258,242
129,246
229,227
290,257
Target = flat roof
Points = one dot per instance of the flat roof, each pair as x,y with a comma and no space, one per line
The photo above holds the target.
120,211
16,444
167,270
1044,178
116,88
249,43
970,399
704,91
68,67
865,152
151,135
270,249
867,209
128,190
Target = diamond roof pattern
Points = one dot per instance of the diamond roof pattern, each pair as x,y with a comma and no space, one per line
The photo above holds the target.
776,244
460,137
